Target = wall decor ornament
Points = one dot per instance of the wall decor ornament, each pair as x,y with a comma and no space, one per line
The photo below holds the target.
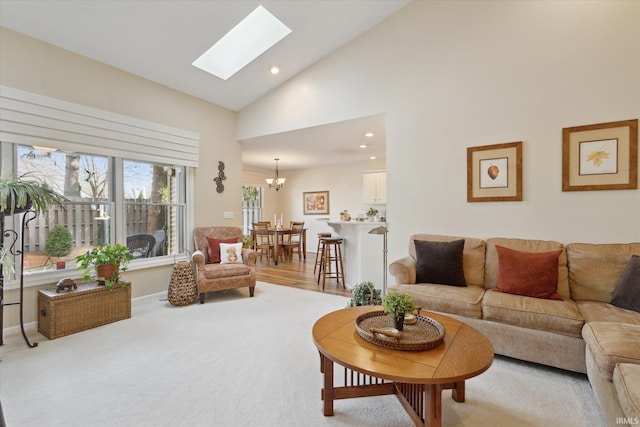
220,177
494,173
600,157
315,202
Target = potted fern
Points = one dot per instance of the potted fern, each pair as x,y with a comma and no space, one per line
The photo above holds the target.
105,263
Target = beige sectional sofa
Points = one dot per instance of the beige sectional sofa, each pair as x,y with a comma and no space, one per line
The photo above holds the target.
583,332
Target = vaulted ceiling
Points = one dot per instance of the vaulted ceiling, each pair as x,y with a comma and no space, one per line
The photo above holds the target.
158,40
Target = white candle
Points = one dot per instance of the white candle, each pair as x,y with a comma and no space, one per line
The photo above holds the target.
274,220
281,219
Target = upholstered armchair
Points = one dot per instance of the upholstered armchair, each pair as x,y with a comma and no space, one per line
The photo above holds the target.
216,276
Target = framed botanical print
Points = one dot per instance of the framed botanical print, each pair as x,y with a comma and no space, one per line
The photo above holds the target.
494,172
600,157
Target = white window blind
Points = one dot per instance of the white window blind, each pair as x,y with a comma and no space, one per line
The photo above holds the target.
31,119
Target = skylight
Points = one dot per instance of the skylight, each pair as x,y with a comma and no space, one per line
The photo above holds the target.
253,36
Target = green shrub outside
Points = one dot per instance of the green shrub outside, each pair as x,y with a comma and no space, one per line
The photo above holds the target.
59,242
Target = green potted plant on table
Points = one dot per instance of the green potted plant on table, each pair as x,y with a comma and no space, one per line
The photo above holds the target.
397,304
364,293
105,263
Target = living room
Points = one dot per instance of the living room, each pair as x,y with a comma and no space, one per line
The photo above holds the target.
447,75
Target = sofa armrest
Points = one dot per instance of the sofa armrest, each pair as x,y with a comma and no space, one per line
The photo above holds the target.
249,256
198,259
404,270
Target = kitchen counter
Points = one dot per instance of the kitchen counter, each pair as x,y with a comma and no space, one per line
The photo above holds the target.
362,252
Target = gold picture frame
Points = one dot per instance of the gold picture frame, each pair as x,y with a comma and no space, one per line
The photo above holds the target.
315,202
494,173
600,157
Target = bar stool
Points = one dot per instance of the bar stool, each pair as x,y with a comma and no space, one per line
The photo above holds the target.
331,252
319,251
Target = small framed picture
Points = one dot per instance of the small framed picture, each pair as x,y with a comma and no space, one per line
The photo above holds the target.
494,173
315,202
600,157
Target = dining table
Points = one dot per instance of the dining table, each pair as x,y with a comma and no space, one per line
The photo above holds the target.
278,235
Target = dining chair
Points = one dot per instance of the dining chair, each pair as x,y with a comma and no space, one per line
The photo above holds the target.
293,240
262,239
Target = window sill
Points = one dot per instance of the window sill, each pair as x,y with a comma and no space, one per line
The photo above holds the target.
52,277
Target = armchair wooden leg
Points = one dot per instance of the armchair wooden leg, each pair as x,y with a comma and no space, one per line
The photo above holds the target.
201,297
251,290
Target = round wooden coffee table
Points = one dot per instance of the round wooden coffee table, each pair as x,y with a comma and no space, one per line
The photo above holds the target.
417,378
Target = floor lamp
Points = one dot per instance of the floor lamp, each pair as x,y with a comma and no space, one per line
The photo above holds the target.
383,230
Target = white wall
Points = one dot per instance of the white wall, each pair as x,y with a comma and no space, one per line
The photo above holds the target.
451,75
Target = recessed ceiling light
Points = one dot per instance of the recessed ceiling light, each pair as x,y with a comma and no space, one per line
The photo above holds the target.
372,158
368,134
363,145
253,36
274,69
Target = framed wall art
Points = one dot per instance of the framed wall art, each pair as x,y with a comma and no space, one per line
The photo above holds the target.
600,157
494,173
315,202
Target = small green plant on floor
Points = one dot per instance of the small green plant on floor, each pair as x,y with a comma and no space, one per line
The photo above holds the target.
364,293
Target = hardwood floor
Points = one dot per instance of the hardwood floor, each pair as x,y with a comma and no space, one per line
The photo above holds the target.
297,274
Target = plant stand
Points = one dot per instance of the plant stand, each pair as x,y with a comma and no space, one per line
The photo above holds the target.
11,245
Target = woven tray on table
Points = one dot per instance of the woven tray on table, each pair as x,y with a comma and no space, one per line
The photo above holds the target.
425,334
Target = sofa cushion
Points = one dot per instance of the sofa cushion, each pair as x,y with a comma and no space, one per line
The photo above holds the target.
627,293
213,249
611,343
472,255
217,271
523,245
595,269
532,274
626,381
464,301
596,311
440,262
534,313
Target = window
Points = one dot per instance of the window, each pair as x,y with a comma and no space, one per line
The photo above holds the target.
251,207
86,161
154,208
148,216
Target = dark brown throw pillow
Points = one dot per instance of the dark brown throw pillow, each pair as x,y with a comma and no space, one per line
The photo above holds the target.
214,248
627,293
440,262
531,274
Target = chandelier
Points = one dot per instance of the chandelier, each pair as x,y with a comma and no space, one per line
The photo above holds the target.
276,182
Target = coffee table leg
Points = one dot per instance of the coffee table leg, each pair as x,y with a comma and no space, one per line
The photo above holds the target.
328,394
433,405
457,393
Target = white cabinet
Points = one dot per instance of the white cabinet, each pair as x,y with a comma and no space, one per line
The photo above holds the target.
374,187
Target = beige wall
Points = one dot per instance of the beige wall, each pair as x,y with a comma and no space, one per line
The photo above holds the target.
451,75
34,66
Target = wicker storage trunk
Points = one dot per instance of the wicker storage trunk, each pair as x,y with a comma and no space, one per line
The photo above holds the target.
89,306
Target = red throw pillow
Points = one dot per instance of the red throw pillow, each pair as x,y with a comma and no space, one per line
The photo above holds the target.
214,248
532,274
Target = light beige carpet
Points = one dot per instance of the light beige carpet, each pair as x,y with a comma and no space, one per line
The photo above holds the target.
240,361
